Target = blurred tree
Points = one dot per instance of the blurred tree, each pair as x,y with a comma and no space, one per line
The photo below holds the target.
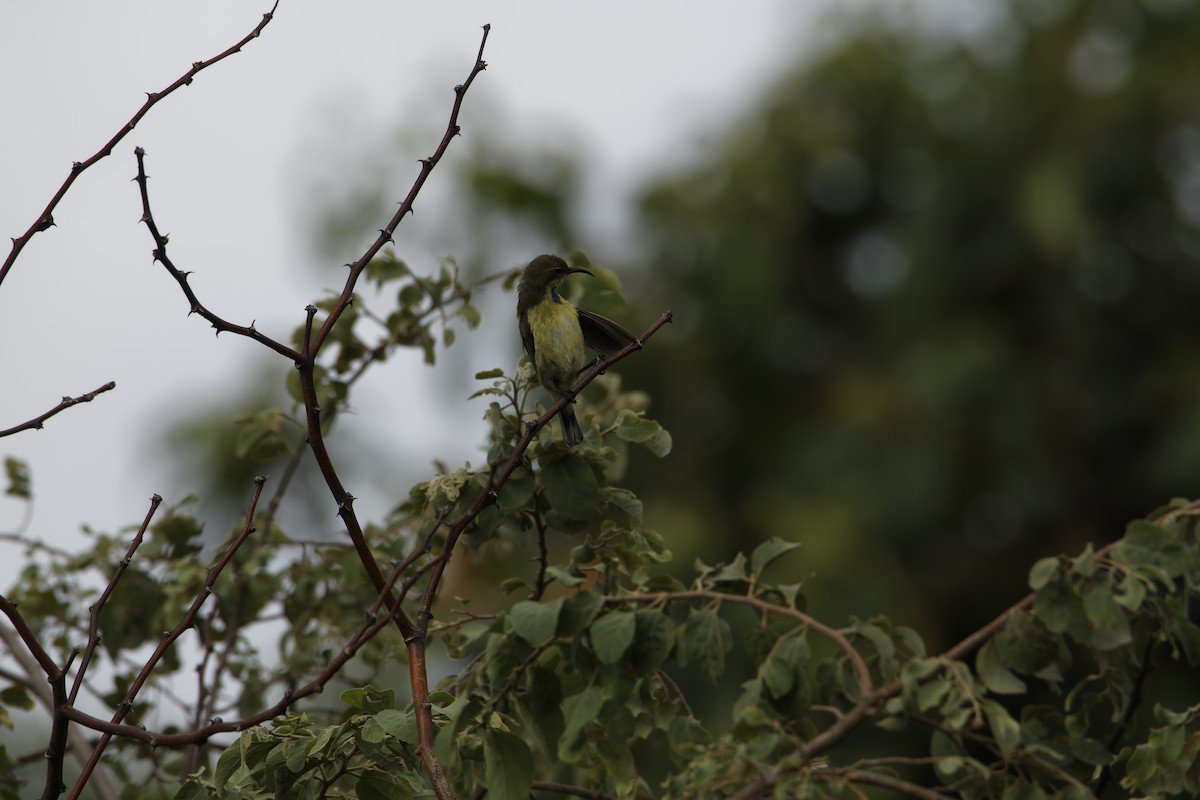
934,304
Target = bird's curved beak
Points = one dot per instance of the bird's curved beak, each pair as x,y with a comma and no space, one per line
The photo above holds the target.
579,269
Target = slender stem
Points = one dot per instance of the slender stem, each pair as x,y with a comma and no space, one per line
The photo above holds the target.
67,402
98,606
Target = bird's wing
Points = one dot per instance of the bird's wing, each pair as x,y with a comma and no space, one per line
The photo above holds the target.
601,333
526,336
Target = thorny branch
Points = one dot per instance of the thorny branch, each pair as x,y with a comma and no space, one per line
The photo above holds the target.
305,362
181,277
45,220
67,402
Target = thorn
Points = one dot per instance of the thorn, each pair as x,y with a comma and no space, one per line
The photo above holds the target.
152,95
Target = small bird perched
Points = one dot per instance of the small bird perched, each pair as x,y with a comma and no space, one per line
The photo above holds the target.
555,332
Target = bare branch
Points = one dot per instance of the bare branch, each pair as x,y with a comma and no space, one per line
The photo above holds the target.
98,606
45,220
406,205
181,277
67,402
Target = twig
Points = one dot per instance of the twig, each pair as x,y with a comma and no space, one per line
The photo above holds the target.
46,219
181,277
168,639
406,205
67,402
881,780
98,606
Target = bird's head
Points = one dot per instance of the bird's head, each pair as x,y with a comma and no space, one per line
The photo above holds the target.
542,275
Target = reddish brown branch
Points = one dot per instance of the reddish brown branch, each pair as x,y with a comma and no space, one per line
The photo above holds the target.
46,219
67,402
418,673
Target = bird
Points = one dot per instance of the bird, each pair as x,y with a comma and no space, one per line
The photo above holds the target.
554,333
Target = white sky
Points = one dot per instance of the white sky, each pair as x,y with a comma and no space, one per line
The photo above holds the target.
231,157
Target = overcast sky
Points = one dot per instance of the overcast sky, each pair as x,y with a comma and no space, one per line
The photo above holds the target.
234,159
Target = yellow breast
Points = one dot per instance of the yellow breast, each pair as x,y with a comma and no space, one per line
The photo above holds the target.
558,344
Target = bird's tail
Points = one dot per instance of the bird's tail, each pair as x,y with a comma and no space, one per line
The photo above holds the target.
572,433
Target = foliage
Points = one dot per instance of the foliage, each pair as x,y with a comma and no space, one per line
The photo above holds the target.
935,297
593,669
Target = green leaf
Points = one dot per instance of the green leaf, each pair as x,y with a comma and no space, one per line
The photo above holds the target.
517,491
571,486
1148,544
1042,572
1060,609
578,710
931,693
766,553
654,638
1131,592
20,480
564,575
536,622
368,699
1005,729
509,766
1110,625
611,636
489,374
995,676
386,267
471,314
378,784
703,642
16,697
400,724
578,611
230,761
632,427
784,665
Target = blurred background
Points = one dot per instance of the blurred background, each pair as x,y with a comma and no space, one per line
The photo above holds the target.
934,265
